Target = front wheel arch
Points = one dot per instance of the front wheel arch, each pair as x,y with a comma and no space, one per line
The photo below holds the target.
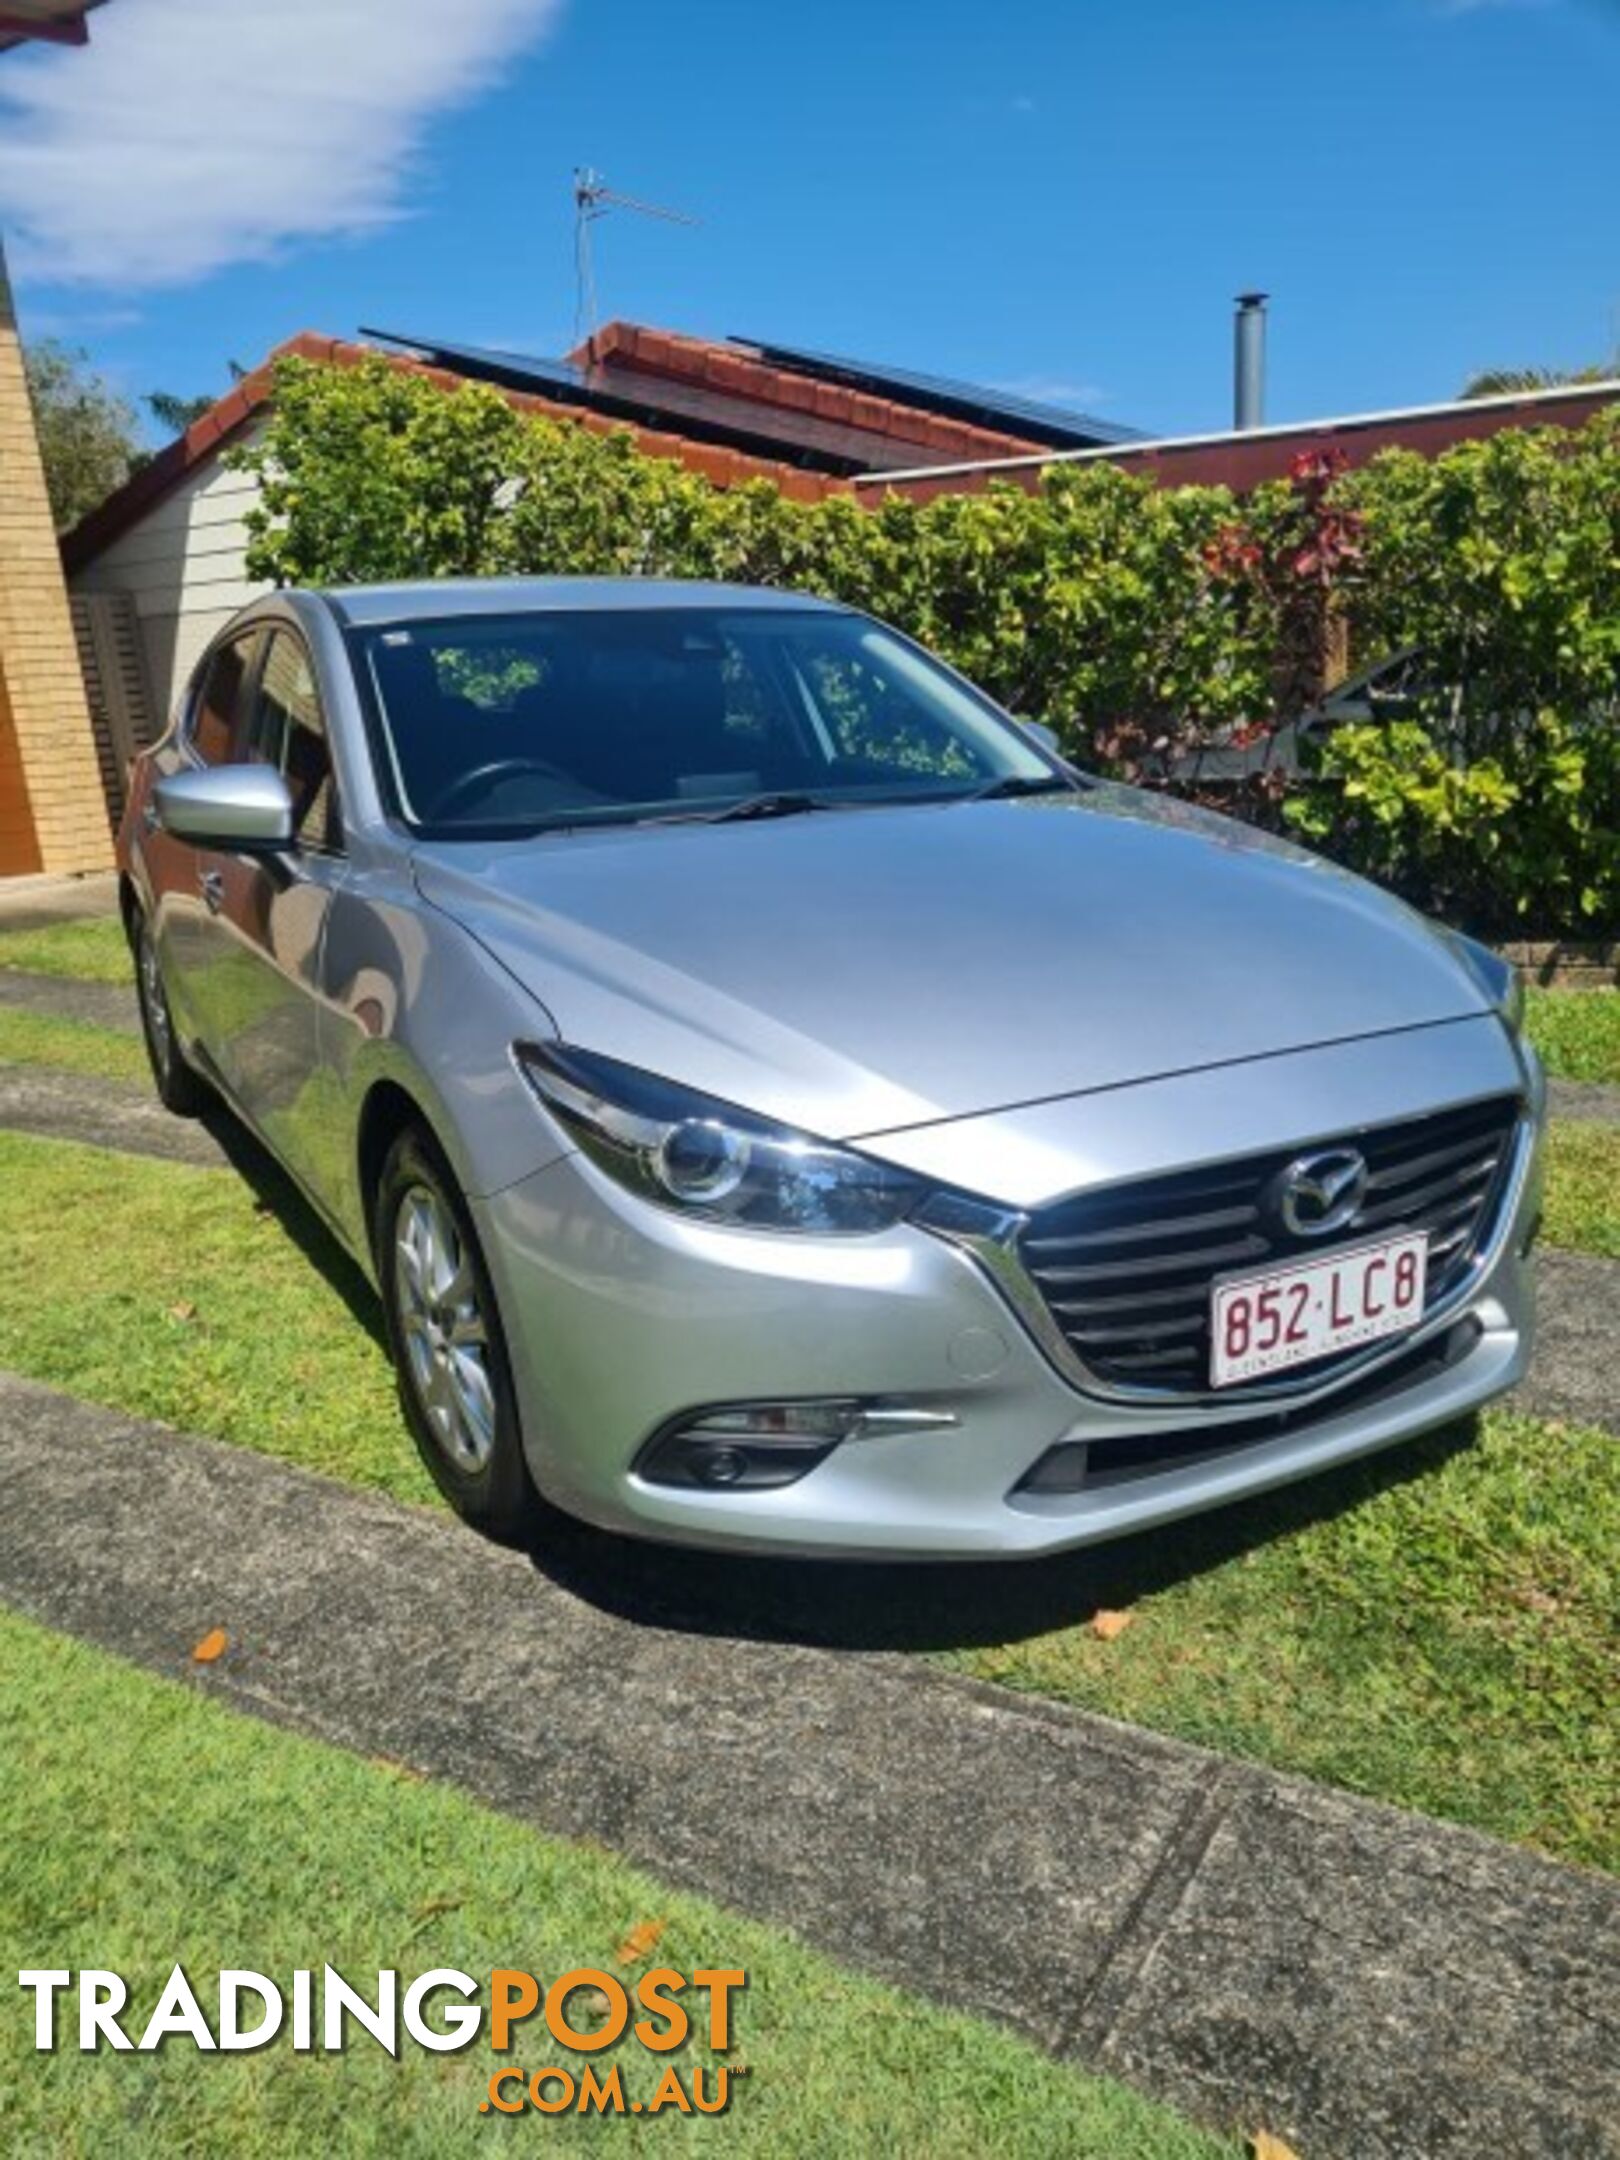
180,1088
388,1110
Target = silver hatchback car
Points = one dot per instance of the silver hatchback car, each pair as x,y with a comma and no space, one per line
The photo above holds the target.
782,1105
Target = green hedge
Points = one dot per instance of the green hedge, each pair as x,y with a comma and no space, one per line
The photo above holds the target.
1142,623
1499,804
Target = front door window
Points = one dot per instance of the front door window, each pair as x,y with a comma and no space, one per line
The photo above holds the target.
288,731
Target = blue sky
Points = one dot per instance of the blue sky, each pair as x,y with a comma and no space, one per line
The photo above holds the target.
1057,197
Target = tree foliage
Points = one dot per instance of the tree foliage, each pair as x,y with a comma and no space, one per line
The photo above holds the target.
174,413
1146,625
87,433
1499,801
1504,382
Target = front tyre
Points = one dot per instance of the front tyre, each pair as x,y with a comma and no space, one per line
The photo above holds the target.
449,1352
178,1087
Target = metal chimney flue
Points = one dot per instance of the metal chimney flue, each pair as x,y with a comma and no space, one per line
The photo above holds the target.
1249,361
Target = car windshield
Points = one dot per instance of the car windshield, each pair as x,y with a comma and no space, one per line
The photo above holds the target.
499,725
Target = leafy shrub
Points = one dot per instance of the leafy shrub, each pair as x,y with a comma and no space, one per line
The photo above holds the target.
1500,802
1145,625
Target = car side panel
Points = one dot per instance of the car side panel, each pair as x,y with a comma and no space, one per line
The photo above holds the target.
266,999
409,997
164,873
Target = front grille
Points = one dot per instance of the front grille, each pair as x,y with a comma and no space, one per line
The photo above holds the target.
1072,1466
1126,1271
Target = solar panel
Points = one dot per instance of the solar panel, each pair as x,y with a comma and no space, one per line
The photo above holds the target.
645,398
517,371
1054,425
637,399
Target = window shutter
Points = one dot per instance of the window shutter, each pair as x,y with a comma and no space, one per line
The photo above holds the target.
108,631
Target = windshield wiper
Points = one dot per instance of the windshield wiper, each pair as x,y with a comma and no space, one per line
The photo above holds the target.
1015,784
795,802
780,804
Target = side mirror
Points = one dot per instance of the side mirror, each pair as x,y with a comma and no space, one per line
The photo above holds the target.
245,808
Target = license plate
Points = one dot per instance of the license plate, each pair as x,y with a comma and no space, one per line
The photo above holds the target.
1283,1316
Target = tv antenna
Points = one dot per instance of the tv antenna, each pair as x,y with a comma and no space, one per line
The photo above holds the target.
593,199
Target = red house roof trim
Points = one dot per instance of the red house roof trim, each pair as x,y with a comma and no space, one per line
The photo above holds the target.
1594,393
50,22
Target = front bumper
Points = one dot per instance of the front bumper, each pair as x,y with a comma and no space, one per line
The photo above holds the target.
621,1315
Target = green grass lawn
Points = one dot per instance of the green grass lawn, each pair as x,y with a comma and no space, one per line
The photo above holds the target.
203,1310
91,951
1437,1627
1583,1188
76,1046
147,1825
1577,1032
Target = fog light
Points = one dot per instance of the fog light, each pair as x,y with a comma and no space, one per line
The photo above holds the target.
750,1446
720,1465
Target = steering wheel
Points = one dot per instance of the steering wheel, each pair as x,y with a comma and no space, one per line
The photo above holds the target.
488,775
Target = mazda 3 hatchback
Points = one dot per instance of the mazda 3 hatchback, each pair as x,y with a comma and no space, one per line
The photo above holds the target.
783,1105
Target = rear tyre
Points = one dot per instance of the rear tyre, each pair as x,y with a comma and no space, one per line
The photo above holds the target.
178,1087
449,1350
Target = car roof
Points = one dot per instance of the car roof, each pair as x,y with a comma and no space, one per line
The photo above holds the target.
365,606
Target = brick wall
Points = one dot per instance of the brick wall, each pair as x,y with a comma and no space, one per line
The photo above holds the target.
52,809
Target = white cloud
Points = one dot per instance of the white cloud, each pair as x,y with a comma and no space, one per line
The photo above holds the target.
196,133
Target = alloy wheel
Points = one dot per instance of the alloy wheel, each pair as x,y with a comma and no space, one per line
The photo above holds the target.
444,1332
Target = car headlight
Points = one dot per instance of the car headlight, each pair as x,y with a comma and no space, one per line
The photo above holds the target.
703,1157
1498,978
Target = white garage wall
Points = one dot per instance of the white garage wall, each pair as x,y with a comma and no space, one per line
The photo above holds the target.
182,565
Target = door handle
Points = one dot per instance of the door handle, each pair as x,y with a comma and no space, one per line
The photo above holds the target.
149,817
213,890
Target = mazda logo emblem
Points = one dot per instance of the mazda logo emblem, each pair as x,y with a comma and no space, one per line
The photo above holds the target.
1322,1192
